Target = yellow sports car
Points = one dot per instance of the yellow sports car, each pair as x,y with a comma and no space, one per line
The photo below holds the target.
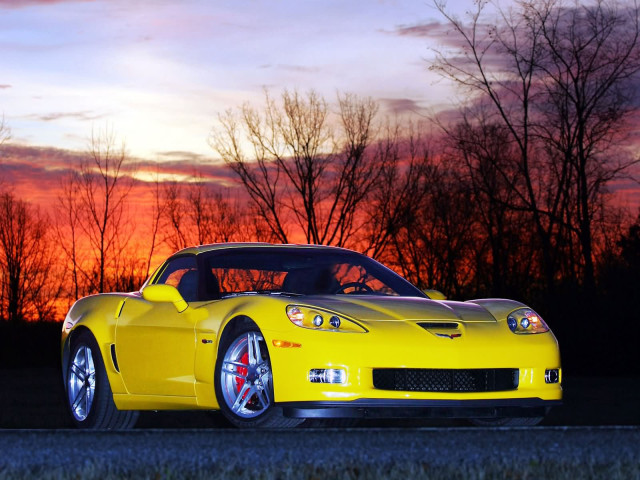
272,335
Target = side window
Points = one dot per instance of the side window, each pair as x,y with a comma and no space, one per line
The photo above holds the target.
182,273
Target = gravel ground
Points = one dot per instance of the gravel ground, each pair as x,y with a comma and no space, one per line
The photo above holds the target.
464,453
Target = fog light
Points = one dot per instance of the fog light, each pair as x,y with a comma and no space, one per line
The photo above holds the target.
329,375
334,321
317,320
551,375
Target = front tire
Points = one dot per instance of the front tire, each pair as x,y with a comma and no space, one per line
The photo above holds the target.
89,395
244,382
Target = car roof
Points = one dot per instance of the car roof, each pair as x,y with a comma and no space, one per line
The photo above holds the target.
234,245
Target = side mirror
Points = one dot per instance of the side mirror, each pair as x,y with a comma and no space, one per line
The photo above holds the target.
165,293
435,294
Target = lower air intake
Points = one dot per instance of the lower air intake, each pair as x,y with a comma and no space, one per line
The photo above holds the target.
446,380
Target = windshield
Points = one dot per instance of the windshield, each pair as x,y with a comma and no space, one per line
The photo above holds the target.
302,271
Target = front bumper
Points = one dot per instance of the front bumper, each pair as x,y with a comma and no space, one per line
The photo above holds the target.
405,346
381,408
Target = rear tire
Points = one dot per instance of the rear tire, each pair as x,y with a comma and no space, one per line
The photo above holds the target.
244,382
88,393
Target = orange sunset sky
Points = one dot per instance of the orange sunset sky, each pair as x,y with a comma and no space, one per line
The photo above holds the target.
159,72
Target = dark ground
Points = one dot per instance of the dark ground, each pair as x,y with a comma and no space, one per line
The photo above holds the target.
31,392
33,398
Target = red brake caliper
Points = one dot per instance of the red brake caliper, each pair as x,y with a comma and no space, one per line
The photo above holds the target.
242,371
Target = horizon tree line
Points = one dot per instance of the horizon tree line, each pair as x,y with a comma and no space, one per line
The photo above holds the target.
508,199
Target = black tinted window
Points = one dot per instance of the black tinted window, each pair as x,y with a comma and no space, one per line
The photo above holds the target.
182,273
303,271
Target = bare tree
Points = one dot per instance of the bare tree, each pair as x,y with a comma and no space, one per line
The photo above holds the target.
68,230
174,212
559,80
485,151
103,189
5,131
5,135
509,86
589,64
158,210
404,158
200,212
25,259
298,171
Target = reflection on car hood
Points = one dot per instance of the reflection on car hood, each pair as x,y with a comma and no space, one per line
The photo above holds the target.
378,308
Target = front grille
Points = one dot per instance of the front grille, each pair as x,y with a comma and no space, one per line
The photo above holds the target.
446,380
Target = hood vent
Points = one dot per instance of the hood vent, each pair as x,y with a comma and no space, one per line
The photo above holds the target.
439,325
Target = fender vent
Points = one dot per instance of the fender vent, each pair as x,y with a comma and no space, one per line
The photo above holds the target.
114,359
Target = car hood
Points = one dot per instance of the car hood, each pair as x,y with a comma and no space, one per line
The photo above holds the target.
377,308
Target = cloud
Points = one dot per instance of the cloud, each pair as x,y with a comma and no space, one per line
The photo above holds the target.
290,68
440,34
82,115
422,30
186,170
180,155
401,105
15,4
34,173
3,87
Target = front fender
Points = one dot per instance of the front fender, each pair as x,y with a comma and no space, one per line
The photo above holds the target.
498,307
97,314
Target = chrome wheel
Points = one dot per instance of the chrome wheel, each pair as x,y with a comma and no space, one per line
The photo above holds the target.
245,376
81,383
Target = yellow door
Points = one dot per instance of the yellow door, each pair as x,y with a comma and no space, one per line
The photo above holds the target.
155,349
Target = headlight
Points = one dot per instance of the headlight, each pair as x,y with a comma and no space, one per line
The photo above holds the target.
318,319
525,320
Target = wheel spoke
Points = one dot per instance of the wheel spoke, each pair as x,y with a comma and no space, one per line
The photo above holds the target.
80,396
88,398
253,348
78,372
230,363
263,397
90,368
86,361
234,373
250,393
240,403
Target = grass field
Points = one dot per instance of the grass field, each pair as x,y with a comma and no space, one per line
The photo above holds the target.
390,453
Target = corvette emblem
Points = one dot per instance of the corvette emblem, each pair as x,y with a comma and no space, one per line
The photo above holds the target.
449,335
